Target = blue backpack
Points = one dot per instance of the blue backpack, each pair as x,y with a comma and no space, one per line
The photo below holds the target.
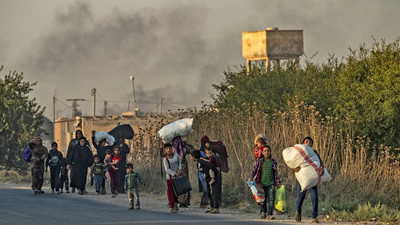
27,155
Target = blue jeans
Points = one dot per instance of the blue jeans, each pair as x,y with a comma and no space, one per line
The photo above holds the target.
268,204
98,181
314,199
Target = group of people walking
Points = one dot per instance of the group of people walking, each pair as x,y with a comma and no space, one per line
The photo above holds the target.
79,158
123,178
209,173
266,175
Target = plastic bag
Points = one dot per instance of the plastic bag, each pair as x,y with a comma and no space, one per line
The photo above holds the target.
258,196
280,199
100,135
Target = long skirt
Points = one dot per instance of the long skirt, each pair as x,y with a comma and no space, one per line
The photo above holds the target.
185,198
79,175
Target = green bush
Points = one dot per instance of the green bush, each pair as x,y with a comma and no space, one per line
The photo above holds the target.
364,87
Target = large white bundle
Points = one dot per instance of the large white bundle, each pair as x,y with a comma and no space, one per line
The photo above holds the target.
100,135
307,176
294,159
182,127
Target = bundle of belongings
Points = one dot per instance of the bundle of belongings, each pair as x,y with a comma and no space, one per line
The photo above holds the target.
304,157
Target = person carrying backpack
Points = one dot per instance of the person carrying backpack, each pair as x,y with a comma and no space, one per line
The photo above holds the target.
54,160
39,153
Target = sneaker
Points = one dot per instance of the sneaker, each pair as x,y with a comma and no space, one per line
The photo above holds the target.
73,190
130,208
67,191
297,217
208,210
58,192
215,211
35,191
80,192
85,192
263,215
315,220
41,192
173,210
270,217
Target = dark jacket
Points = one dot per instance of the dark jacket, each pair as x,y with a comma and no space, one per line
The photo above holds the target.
101,150
54,158
131,180
204,167
98,169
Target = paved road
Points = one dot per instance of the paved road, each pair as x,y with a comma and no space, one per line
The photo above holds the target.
20,206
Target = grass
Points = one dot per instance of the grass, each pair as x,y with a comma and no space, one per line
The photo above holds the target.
363,174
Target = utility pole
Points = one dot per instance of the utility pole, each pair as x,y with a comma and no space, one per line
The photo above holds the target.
75,105
54,106
93,102
105,108
159,105
132,78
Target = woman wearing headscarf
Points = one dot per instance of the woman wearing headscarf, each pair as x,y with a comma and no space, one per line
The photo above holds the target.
39,153
179,147
75,142
205,201
79,159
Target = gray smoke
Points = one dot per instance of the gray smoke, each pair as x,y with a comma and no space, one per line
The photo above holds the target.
165,51
177,49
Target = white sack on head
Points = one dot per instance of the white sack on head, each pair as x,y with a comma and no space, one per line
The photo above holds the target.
262,136
307,176
100,135
182,127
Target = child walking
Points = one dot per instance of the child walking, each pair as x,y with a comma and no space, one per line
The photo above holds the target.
131,185
265,174
172,166
98,173
64,176
54,159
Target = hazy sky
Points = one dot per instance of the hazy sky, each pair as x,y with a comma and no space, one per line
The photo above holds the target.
175,49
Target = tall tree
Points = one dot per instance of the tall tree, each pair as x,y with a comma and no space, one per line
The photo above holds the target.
20,119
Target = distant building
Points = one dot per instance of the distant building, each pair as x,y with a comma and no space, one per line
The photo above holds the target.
145,127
